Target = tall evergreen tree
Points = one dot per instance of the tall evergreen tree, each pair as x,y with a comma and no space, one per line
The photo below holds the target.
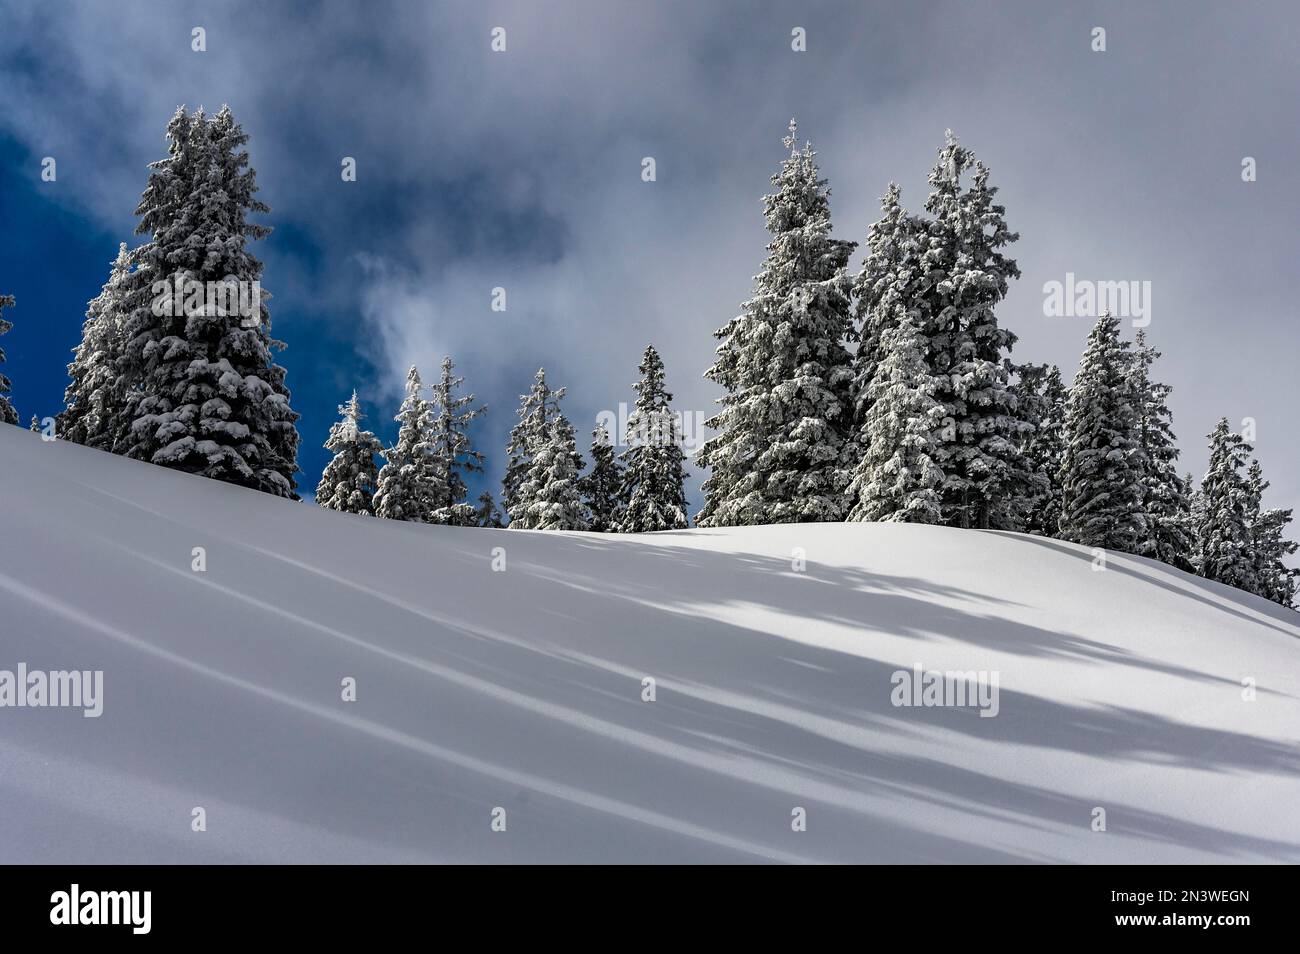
600,486
349,480
550,497
896,477
1271,577
784,450
1102,467
1276,580
537,409
7,413
411,484
652,495
966,275
1195,518
202,391
1165,496
888,288
896,415
1224,533
1041,398
487,514
92,402
451,445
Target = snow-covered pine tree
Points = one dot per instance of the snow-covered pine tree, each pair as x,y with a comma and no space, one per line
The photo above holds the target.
1276,580
886,289
7,413
896,477
487,514
1271,577
410,484
537,409
652,494
452,447
1041,398
91,401
966,276
349,480
1224,534
1195,518
1165,498
1101,469
34,425
784,450
600,486
550,495
203,393
1255,487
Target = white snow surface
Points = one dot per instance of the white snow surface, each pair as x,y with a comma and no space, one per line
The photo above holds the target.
522,689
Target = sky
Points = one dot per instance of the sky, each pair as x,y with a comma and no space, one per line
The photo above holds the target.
522,169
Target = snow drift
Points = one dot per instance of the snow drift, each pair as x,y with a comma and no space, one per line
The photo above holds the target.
522,689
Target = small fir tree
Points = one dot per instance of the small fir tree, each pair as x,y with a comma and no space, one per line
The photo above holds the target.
349,481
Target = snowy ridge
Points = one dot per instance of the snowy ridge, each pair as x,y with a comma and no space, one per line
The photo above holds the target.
522,689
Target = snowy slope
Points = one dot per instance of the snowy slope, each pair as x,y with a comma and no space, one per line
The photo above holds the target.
522,689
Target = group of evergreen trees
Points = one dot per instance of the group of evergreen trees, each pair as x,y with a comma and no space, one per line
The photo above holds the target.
423,477
191,385
921,422
638,491
1237,541
885,395
928,420
1119,486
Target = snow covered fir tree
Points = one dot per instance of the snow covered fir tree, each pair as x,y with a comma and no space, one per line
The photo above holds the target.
1166,503
966,275
411,485
538,410
897,417
1102,465
350,479
600,486
175,363
1272,576
783,452
550,497
450,444
897,477
202,391
1228,507
652,495
1042,398
93,399
943,276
